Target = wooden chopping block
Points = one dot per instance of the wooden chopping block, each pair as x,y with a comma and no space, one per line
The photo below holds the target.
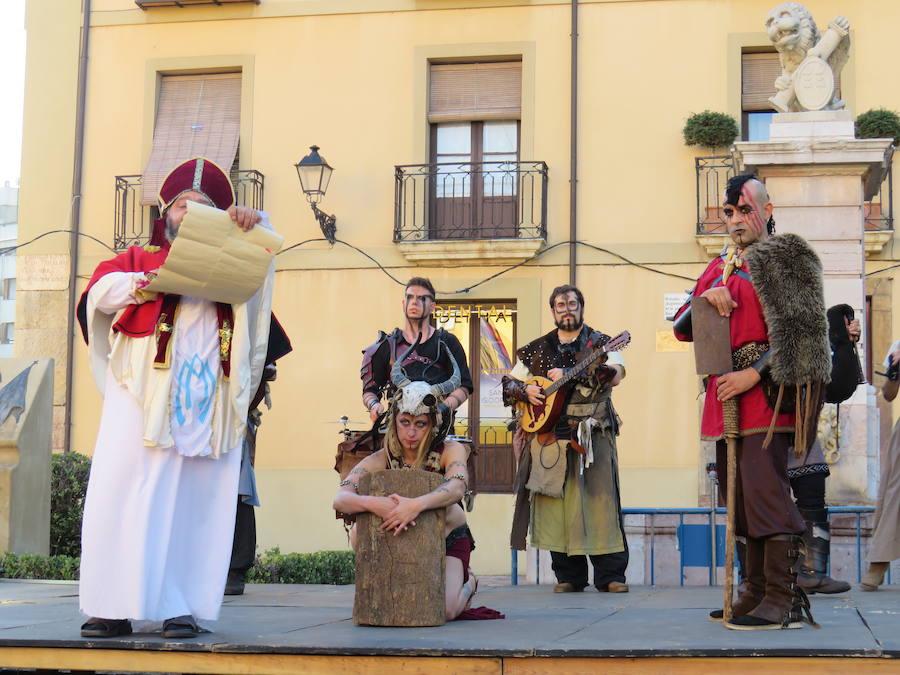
400,579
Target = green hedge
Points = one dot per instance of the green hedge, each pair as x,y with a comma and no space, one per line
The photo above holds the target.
321,567
68,484
34,566
272,567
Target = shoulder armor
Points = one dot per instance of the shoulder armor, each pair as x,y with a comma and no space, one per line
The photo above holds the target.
366,372
372,348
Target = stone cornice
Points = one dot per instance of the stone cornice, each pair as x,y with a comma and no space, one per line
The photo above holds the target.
866,157
873,242
459,253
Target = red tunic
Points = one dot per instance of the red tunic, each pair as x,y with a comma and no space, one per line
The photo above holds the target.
747,325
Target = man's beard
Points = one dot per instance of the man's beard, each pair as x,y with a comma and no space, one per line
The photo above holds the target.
171,230
570,322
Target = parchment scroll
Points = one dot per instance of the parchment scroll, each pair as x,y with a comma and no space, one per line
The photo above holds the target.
213,259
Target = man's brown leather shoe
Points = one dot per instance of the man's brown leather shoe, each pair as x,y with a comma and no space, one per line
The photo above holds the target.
615,587
566,587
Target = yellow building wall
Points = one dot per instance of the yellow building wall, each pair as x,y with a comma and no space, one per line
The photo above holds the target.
350,77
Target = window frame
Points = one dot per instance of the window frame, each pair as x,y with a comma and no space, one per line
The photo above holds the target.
476,182
486,454
6,328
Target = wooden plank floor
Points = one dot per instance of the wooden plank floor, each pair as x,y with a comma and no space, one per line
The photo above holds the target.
288,629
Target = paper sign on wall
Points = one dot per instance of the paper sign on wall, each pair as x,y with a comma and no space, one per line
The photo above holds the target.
671,303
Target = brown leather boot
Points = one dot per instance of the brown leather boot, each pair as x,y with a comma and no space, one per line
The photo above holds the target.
785,602
752,591
812,575
874,576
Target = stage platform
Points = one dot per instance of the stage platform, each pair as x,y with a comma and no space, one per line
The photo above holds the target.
293,629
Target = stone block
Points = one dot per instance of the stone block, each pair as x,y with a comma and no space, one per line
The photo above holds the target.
819,124
847,290
843,258
821,222
25,432
814,191
41,309
43,343
43,272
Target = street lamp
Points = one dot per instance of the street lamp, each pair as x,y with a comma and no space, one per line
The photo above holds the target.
314,174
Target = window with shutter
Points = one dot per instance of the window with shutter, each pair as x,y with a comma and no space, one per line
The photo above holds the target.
474,111
196,116
759,70
758,74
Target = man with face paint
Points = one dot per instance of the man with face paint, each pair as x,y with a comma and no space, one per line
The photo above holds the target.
427,362
571,478
765,515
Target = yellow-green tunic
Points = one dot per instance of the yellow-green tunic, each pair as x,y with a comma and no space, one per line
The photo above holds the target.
587,519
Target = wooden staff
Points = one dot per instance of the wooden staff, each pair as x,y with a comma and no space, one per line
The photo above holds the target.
712,355
732,429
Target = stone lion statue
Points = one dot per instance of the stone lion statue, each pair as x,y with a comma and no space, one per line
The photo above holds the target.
810,62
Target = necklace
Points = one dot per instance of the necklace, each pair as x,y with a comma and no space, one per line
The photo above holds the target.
732,262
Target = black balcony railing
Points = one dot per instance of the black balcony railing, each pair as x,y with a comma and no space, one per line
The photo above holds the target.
713,173
880,211
470,200
134,221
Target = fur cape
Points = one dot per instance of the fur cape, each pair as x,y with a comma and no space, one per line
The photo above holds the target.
787,275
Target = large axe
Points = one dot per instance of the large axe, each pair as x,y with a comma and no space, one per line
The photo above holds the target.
712,354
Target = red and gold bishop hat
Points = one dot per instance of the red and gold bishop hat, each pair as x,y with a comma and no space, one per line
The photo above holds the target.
197,175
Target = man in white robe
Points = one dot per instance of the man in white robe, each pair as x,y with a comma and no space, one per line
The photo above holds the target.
159,513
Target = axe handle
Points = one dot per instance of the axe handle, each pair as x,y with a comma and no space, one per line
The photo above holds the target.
732,429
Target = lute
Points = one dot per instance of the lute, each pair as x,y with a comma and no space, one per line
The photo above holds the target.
542,418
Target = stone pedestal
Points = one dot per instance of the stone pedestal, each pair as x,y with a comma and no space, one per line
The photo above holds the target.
819,177
26,426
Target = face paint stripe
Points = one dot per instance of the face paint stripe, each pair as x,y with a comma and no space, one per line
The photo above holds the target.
754,218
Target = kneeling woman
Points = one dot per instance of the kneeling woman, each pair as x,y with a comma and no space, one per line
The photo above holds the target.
415,439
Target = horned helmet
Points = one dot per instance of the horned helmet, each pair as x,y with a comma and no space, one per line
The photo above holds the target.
417,397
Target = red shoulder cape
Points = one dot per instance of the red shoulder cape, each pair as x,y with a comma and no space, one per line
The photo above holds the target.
135,320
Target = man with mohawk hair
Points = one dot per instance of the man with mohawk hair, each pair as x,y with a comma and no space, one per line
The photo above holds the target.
771,289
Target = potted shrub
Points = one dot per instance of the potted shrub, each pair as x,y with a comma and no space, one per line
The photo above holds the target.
710,129
879,123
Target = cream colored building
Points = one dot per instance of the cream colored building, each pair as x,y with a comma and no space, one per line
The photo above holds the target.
386,88
9,209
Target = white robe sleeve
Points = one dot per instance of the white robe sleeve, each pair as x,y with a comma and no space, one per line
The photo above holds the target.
111,293
115,291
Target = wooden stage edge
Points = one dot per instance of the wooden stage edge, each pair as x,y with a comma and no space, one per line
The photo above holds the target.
128,660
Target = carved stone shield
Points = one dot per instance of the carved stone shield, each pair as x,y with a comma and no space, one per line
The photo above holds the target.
814,83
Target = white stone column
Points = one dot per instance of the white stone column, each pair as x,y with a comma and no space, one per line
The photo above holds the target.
819,177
